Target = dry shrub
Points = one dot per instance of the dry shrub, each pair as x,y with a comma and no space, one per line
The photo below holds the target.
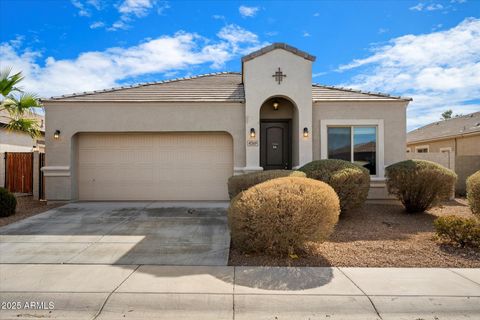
237,184
278,216
350,181
8,203
420,184
473,193
461,231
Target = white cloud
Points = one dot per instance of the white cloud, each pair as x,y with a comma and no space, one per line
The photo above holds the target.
102,69
139,8
248,11
97,24
306,34
318,74
440,70
97,4
131,9
237,35
422,6
82,10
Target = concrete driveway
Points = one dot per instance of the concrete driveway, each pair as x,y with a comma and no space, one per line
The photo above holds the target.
130,233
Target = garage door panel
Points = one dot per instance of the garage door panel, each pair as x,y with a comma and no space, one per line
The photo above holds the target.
154,166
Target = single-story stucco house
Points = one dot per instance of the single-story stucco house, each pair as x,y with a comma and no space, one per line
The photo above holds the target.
459,137
181,139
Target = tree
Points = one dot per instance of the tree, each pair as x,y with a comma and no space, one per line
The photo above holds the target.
18,106
447,115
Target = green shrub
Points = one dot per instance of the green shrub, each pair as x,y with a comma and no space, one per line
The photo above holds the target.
473,193
350,181
278,216
8,203
237,184
420,184
462,231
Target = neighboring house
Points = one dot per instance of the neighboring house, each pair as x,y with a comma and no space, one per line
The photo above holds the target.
181,139
458,136
16,141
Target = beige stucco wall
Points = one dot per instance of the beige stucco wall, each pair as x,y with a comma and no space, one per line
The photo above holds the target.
467,145
260,86
433,146
466,151
393,115
74,117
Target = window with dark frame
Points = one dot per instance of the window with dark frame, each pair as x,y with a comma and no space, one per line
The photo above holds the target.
357,144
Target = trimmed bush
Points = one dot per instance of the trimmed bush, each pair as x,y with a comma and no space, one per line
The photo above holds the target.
8,203
350,181
237,184
278,216
473,193
462,231
420,184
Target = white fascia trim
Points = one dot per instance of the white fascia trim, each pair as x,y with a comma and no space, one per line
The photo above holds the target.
379,123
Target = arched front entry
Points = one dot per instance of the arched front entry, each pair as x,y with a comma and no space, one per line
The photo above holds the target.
278,134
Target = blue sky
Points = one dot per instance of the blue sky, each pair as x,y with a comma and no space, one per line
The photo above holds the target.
429,50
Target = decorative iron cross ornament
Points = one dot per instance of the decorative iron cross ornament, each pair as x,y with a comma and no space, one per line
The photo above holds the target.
279,75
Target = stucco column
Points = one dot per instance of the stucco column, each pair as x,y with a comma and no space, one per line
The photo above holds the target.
252,145
305,147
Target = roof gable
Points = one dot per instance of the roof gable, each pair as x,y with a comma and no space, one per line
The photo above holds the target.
278,45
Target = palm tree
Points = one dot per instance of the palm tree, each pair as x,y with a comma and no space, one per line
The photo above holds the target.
18,106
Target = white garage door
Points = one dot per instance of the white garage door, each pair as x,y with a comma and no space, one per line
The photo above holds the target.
154,166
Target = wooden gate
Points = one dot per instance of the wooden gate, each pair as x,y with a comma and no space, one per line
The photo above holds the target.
19,171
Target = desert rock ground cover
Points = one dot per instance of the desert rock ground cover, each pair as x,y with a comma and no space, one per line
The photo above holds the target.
380,235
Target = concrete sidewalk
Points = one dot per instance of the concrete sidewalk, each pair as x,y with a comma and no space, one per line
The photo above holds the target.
162,292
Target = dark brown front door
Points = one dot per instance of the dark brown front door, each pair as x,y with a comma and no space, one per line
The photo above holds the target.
275,145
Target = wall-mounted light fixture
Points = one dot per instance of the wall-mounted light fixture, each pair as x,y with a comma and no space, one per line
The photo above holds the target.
305,132
275,105
56,135
252,133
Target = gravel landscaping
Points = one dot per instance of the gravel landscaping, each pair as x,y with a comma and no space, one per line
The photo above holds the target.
379,235
27,207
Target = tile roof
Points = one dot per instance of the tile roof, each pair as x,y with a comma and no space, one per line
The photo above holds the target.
214,87
278,45
469,123
331,93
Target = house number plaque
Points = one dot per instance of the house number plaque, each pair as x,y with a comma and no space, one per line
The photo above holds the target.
252,143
